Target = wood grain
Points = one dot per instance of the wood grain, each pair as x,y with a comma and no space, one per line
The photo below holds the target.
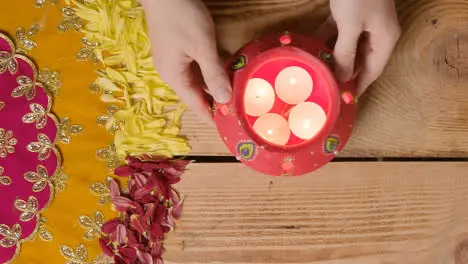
420,105
363,213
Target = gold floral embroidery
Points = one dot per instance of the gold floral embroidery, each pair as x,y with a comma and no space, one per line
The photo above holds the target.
8,62
86,53
42,3
7,143
23,37
70,20
107,120
94,88
101,190
38,116
2,105
43,146
26,87
5,180
109,155
51,80
66,130
39,178
28,208
80,256
10,236
60,181
92,225
44,234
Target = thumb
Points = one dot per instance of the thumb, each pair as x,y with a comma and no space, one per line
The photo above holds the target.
214,75
345,53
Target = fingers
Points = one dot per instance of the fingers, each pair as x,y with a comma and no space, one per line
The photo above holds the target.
345,52
382,45
214,75
327,31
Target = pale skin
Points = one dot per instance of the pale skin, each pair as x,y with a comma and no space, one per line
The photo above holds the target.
182,33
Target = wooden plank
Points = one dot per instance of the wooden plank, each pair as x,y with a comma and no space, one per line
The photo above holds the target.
420,105
346,213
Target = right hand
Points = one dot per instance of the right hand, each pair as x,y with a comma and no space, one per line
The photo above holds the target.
181,33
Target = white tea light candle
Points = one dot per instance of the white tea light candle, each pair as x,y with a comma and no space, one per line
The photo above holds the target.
273,128
293,85
306,120
259,97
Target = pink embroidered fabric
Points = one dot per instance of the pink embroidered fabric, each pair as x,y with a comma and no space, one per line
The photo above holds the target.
28,157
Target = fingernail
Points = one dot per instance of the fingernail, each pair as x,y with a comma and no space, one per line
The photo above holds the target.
223,96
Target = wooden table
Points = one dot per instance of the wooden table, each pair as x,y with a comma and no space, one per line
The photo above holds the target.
349,212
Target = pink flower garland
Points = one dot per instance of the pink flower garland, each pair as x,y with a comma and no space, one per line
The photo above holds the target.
148,210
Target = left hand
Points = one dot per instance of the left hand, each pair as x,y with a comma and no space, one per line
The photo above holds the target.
368,31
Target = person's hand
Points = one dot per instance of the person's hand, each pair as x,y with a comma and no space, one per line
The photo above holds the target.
182,34
368,31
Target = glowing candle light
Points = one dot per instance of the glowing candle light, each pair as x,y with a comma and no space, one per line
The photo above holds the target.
273,128
293,85
259,97
306,120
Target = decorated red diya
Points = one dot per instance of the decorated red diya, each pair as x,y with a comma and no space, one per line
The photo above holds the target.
288,114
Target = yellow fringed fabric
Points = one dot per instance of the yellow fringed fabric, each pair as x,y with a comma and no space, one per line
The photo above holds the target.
148,120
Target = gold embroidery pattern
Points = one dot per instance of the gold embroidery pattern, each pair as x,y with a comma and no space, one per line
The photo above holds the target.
42,3
108,121
8,62
43,147
80,256
2,105
7,143
24,37
28,208
10,236
4,180
38,116
26,87
70,20
59,181
86,53
51,80
102,190
66,130
44,234
109,155
39,178
92,225
94,88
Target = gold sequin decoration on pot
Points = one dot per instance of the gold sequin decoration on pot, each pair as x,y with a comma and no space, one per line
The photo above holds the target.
42,3
11,236
28,209
24,37
108,121
40,179
102,190
92,225
66,130
43,147
38,115
26,87
7,143
80,256
86,53
51,80
4,180
109,155
70,20
8,62
43,232
59,181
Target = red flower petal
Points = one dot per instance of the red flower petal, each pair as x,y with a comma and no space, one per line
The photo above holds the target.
156,232
144,258
176,210
156,249
123,171
104,243
136,208
139,223
110,226
128,254
119,235
114,189
169,223
132,240
119,260
121,204
180,165
140,179
159,261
